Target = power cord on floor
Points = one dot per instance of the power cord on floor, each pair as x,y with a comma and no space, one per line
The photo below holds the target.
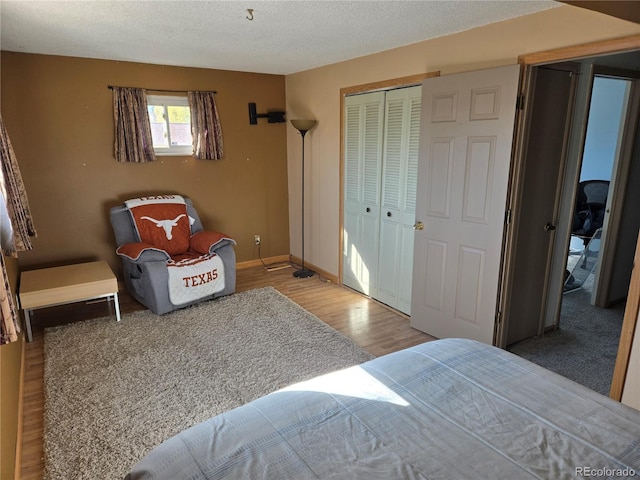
282,265
273,266
315,274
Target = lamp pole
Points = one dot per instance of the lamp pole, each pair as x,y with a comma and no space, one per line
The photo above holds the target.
303,126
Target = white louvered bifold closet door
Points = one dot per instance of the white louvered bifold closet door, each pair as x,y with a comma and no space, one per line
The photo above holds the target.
399,182
364,122
380,173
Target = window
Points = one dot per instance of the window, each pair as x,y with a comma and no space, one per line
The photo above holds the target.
6,229
170,119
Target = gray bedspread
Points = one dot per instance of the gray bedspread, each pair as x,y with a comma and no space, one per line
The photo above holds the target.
448,409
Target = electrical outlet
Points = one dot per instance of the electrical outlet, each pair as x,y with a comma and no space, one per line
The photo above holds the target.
256,239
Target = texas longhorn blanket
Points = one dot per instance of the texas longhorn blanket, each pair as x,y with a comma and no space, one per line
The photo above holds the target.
192,279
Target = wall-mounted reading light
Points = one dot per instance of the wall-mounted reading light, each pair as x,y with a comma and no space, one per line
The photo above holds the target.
272,117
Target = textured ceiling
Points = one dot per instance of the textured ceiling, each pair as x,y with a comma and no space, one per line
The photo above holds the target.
283,37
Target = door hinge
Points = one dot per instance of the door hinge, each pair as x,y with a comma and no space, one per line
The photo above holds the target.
498,318
520,102
507,217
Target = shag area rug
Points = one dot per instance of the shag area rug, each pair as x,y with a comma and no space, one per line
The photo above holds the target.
114,390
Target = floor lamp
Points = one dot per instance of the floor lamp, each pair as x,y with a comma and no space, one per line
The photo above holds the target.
303,126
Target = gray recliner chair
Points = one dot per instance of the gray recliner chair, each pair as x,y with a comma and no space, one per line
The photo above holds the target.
169,260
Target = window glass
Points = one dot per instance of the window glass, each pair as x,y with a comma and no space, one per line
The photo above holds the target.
158,126
6,230
180,125
170,119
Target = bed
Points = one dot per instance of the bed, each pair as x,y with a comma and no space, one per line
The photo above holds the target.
447,409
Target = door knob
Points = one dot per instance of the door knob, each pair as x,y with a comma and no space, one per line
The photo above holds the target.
550,226
418,226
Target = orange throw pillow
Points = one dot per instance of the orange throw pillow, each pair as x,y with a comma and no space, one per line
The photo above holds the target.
202,242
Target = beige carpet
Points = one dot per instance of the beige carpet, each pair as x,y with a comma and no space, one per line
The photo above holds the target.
115,390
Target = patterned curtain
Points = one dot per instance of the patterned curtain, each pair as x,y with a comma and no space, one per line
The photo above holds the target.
16,226
132,128
9,326
205,126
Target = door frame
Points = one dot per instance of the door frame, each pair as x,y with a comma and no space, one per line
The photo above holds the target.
629,325
516,200
401,82
618,186
612,46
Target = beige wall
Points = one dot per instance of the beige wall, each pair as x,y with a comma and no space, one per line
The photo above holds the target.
316,94
58,112
10,362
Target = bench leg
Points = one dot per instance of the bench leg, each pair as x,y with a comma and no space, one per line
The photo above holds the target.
116,303
27,321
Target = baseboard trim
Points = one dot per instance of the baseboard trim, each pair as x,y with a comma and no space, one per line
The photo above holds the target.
323,273
258,262
287,259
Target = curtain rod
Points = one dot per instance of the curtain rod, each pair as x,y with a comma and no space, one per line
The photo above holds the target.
111,87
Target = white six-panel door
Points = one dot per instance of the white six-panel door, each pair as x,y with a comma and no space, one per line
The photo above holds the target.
463,174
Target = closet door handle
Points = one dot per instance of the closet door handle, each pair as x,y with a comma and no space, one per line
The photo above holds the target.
368,209
388,214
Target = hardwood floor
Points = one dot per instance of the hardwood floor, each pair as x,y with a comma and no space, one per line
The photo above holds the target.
373,326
